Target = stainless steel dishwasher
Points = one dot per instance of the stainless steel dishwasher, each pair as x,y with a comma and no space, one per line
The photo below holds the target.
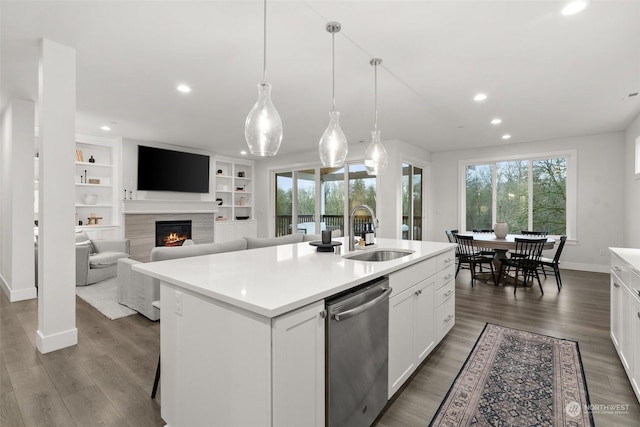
357,355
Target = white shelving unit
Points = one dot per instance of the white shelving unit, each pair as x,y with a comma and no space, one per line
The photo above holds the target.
234,196
98,179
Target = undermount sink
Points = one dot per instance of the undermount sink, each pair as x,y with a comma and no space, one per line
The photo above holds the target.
378,255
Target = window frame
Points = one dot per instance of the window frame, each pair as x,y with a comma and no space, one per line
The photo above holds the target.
637,158
572,190
294,169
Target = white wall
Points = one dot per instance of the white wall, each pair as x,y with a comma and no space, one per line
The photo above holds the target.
599,200
389,208
17,259
632,188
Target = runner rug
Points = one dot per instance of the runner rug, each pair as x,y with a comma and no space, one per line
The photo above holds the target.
518,378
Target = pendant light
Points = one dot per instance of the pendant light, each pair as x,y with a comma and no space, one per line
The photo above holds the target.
375,158
333,144
263,127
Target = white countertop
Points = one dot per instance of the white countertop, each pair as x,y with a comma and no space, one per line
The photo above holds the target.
630,255
275,280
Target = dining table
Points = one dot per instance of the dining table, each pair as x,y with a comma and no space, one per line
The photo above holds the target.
503,245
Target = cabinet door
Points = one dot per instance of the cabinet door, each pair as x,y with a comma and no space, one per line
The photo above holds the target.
246,228
402,360
423,319
614,311
298,367
635,317
626,324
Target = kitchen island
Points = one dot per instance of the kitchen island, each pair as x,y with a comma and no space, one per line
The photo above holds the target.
242,333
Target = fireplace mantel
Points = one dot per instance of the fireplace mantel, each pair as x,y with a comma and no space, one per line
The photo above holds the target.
142,206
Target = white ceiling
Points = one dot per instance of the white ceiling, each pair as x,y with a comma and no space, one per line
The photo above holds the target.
547,76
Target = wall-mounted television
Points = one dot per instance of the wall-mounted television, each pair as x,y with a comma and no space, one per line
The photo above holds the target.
169,170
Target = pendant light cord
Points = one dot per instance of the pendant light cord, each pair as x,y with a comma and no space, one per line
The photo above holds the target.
333,70
264,38
375,96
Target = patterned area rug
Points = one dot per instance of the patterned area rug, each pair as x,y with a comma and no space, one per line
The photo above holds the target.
104,297
518,378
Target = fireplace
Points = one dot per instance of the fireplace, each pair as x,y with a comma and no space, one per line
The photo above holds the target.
172,233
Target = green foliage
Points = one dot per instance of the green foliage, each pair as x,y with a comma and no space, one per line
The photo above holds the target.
549,177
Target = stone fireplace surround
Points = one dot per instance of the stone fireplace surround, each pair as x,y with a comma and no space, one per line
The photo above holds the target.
140,216
140,229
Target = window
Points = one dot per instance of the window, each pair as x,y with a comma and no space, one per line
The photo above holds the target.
314,199
412,184
534,193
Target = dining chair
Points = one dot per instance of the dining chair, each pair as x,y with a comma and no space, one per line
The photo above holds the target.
483,250
554,262
469,255
525,257
534,233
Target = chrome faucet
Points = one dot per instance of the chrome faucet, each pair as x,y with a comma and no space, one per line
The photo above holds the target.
351,216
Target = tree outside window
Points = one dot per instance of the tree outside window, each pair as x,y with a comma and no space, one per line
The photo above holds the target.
526,194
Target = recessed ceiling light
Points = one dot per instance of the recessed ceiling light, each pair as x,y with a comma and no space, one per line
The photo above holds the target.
184,88
105,128
506,136
480,97
574,7
243,152
496,121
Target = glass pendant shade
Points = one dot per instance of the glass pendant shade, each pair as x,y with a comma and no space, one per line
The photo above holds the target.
333,144
263,127
375,158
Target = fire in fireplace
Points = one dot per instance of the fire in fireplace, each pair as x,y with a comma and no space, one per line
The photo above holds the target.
172,233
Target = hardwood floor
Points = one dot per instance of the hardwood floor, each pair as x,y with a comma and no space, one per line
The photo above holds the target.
106,379
579,312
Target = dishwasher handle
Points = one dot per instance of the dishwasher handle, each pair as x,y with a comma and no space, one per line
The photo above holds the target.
361,308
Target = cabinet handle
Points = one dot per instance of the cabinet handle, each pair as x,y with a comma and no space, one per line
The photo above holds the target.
448,319
323,314
418,292
448,276
448,293
449,259
616,285
616,268
637,291
639,315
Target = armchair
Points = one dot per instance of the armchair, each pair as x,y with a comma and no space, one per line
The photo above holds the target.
97,260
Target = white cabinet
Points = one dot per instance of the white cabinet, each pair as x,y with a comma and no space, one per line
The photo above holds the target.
237,368
411,332
635,319
97,179
298,367
625,315
422,294
224,231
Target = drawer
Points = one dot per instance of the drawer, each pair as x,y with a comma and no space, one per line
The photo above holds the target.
445,276
402,280
446,259
620,269
445,318
445,293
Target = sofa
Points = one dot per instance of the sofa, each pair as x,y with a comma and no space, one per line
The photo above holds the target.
97,259
138,291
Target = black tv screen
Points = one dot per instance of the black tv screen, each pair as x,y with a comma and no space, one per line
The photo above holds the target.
169,170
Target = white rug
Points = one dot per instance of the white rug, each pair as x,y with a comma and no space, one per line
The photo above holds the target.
104,297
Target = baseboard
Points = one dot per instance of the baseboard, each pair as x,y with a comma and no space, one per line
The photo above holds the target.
56,341
17,294
594,268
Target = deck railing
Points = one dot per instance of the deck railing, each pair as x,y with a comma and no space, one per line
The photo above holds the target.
332,222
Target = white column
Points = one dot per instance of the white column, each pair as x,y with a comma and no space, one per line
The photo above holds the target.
18,260
56,242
